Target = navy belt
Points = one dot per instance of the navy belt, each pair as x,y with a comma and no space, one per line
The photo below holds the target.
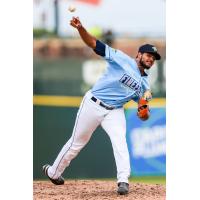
102,104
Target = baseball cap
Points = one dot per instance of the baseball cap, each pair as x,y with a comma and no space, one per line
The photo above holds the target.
148,48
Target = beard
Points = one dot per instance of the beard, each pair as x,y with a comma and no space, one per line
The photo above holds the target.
142,63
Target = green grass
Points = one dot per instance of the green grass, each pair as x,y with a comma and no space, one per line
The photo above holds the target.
149,179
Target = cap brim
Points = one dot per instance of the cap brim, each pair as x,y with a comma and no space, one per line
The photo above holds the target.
157,55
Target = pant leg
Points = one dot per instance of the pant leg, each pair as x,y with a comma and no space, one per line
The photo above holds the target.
88,118
115,126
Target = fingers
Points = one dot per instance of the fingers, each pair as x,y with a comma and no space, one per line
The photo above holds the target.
74,18
75,22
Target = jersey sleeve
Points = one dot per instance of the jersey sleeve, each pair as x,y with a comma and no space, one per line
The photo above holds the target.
145,84
110,54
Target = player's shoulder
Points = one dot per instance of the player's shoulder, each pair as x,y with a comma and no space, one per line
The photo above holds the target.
113,50
121,54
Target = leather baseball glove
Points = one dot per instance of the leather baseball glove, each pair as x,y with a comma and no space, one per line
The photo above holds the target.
143,109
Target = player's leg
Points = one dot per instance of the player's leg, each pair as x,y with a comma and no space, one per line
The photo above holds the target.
115,126
88,118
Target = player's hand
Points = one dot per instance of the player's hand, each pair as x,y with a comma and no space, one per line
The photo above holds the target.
143,109
75,22
147,95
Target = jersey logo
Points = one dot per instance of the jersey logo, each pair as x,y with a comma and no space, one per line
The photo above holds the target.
114,50
130,82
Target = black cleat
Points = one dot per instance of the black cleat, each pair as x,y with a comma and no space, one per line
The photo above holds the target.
59,181
123,188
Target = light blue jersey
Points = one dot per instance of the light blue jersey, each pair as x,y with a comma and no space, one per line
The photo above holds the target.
122,80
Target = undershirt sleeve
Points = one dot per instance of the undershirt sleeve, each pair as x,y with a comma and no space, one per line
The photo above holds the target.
100,48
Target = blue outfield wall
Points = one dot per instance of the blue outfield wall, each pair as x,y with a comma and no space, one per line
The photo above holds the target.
147,142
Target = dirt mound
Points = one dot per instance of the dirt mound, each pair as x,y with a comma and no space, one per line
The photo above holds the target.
95,190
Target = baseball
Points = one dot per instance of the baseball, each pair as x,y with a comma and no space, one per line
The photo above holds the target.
72,8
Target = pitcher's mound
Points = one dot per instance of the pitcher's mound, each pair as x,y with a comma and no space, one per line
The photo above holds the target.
95,190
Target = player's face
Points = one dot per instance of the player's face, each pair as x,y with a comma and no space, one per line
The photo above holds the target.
147,60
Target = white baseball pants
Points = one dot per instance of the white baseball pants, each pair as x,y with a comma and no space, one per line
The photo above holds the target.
89,117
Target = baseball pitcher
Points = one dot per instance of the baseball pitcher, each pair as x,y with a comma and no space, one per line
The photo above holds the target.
125,79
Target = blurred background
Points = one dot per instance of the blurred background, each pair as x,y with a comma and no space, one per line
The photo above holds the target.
64,69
